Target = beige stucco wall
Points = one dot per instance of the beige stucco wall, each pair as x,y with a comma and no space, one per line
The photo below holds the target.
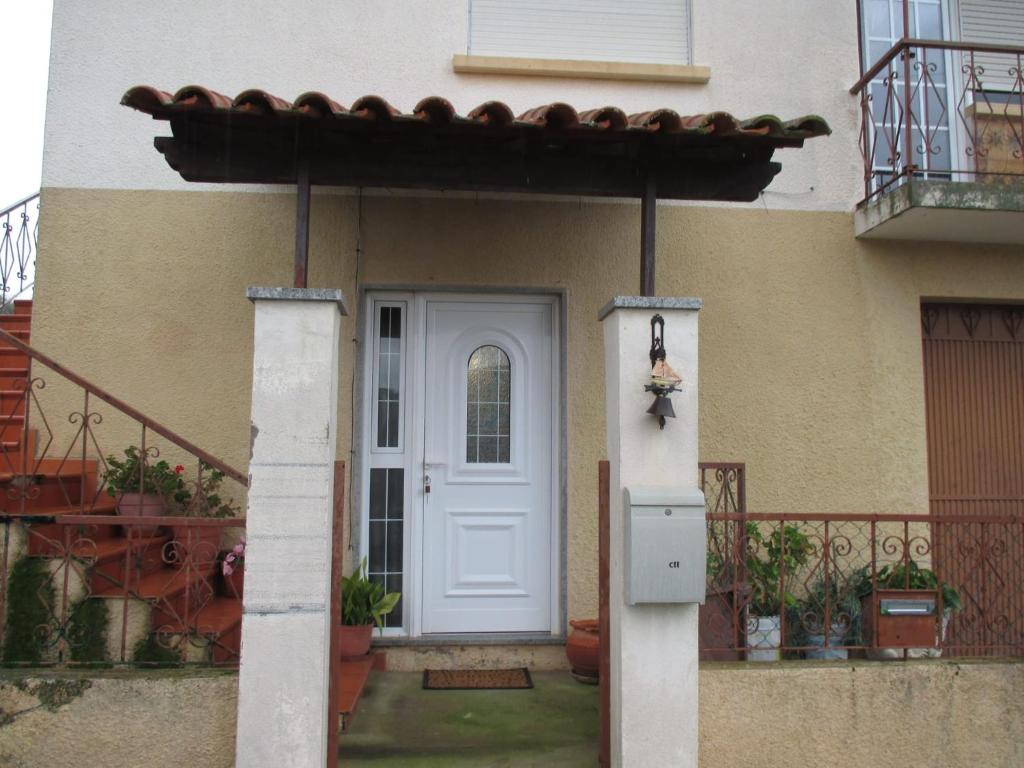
922,714
810,340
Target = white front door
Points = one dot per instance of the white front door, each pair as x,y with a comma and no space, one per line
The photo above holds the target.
489,466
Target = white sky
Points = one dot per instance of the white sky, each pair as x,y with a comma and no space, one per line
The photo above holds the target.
24,61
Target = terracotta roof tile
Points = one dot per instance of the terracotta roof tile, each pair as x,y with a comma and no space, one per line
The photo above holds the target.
259,137
437,110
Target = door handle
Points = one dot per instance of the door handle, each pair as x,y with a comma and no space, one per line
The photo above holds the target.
426,483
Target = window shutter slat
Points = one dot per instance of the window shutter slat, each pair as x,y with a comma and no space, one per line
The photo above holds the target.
642,31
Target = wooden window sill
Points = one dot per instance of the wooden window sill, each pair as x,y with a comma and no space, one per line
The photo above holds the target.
602,70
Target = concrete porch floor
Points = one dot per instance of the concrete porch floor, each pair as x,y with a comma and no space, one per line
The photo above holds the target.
400,724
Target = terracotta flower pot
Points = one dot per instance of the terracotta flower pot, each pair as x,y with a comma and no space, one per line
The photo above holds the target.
141,505
583,648
355,641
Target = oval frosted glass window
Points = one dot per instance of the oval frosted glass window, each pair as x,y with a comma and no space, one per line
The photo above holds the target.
488,406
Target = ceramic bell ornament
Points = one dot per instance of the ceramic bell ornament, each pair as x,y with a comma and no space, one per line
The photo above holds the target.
664,380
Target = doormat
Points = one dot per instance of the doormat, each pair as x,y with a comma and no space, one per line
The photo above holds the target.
476,679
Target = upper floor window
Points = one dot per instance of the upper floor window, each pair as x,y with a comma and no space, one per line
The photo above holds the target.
642,31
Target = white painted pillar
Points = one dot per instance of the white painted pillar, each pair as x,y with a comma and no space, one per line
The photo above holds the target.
283,678
653,647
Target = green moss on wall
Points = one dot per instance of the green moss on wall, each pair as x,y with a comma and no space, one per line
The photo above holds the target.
149,651
30,599
87,630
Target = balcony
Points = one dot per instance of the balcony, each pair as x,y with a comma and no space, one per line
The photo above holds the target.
942,140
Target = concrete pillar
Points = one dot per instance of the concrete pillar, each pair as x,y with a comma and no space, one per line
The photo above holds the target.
653,647
283,679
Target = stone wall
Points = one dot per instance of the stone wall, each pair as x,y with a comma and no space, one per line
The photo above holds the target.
934,714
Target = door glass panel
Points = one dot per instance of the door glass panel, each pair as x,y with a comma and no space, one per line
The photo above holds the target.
384,564
488,406
389,370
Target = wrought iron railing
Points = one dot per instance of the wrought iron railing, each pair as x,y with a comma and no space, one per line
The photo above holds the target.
19,241
102,589
108,518
942,110
804,586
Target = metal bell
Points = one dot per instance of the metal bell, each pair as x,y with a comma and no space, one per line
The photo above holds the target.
662,408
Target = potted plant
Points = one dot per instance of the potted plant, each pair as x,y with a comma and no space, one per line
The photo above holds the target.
810,628
583,649
891,632
771,560
722,638
142,488
205,502
233,569
364,604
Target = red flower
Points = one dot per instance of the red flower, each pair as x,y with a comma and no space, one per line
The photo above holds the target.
179,469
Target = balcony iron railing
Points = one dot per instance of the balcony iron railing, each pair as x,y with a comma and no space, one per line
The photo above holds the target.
942,110
19,241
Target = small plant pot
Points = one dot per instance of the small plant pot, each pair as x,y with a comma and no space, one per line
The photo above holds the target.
141,505
355,641
583,649
764,638
832,653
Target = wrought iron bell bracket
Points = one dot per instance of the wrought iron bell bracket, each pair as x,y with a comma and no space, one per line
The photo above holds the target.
662,405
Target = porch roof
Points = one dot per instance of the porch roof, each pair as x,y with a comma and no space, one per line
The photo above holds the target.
257,137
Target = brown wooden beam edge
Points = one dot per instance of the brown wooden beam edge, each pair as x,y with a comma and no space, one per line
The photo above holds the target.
302,190
648,223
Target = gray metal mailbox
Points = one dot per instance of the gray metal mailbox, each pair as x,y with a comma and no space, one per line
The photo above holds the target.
666,545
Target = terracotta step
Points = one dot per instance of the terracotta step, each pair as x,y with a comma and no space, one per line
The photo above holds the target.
165,583
13,401
23,306
15,322
175,593
47,538
12,358
215,619
51,467
109,567
14,378
21,335
352,677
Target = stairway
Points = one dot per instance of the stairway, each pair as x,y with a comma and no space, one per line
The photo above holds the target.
148,568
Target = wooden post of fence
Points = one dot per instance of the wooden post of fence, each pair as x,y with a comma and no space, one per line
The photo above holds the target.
334,681
604,620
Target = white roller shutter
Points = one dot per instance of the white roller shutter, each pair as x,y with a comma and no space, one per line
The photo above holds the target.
644,31
997,22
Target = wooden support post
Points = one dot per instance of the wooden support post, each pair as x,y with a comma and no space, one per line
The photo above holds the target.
302,224
604,619
334,680
648,216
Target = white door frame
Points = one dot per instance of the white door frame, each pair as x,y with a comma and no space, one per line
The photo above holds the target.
413,426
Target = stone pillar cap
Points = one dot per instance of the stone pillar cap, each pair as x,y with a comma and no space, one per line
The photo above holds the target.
298,294
648,302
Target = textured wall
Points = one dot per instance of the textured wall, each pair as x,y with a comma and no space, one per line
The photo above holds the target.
810,367
922,714
403,51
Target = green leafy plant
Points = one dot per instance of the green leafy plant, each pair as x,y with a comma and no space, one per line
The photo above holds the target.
30,600
770,559
364,601
87,630
125,475
207,501
908,575
843,610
